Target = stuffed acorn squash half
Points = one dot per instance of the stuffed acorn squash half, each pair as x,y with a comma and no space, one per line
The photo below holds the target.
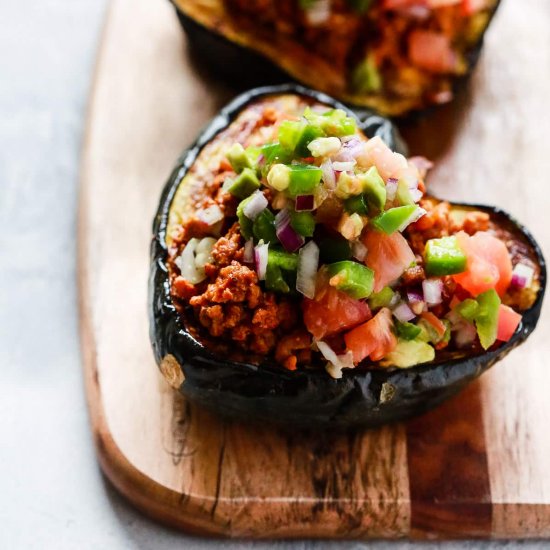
301,275
394,56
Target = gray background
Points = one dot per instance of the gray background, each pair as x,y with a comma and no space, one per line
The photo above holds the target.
52,494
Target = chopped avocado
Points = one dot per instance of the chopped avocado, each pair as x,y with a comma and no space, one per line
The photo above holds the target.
238,158
382,298
244,184
486,319
467,309
334,122
356,205
403,194
409,353
352,278
444,257
394,219
296,135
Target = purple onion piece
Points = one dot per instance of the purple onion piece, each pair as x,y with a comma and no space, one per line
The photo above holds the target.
305,203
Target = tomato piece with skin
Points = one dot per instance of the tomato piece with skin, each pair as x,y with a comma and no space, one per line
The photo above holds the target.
508,322
333,311
373,339
488,263
432,51
388,256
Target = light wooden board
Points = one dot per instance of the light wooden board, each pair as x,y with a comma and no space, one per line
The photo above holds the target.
478,466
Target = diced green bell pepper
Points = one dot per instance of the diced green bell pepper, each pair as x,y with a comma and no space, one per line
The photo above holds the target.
334,122
352,278
407,331
444,257
288,261
303,223
375,190
263,227
296,135
334,249
245,223
467,309
366,77
394,218
382,298
238,158
244,184
274,279
356,204
281,270
486,319
274,153
304,178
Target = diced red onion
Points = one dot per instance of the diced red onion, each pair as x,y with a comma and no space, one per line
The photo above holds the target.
391,188
255,205
465,334
416,194
260,259
416,12
343,166
186,263
414,296
350,150
318,13
305,203
522,275
422,164
432,289
329,178
414,217
359,251
211,215
403,313
290,240
336,362
308,264
248,256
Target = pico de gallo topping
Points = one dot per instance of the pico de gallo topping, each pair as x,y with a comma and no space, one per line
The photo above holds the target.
318,246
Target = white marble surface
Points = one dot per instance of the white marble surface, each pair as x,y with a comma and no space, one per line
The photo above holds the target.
52,495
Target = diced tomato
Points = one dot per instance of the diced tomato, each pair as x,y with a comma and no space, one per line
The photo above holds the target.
432,51
374,339
489,263
469,7
377,153
388,256
436,323
333,311
508,322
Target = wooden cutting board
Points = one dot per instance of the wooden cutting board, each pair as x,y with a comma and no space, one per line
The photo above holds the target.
478,466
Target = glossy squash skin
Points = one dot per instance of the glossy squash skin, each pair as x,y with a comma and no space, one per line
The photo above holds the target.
247,60
305,398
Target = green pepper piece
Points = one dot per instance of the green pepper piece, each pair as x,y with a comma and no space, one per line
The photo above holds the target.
309,133
296,135
407,331
245,223
274,279
375,189
393,219
303,223
403,194
444,257
238,158
244,184
334,122
263,227
288,261
304,178
486,319
356,205
366,77
468,309
352,278
382,298
334,249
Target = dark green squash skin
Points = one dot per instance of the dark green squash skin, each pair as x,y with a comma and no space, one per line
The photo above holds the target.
305,398
245,68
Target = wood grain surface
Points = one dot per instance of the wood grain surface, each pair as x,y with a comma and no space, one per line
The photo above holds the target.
477,466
